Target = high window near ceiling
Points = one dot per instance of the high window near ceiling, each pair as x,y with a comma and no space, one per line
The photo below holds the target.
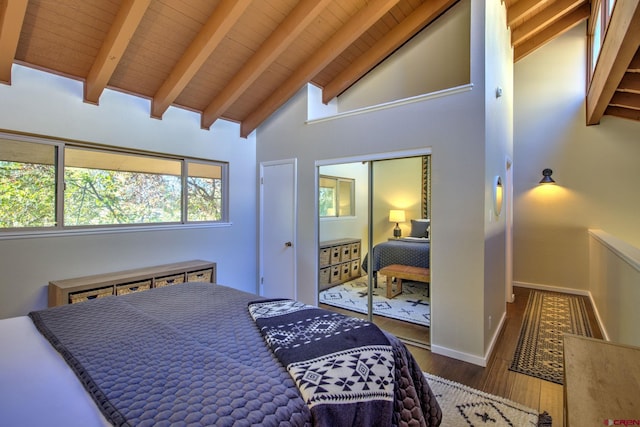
600,17
56,185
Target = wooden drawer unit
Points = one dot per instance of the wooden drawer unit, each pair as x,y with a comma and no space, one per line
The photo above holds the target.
355,250
355,268
325,276
75,297
335,255
345,271
80,289
200,276
335,275
339,261
174,279
345,253
129,288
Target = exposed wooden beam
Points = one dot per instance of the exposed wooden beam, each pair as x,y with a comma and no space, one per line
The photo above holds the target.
125,24
523,7
630,83
215,29
623,113
406,29
551,32
543,19
300,17
346,35
11,18
618,49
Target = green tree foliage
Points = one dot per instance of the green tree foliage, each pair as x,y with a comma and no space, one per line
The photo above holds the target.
27,195
205,199
99,197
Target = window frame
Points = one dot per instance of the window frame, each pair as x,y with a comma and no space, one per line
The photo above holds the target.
601,11
338,180
61,229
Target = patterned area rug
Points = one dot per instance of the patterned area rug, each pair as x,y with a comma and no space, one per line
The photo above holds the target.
411,306
548,316
464,406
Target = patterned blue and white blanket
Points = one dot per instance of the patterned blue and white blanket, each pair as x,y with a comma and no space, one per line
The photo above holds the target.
343,366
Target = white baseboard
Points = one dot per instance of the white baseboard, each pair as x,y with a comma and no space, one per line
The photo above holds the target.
552,288
569,291
459,355
495,337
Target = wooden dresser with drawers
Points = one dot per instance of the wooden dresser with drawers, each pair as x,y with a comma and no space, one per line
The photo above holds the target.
79,289
339,262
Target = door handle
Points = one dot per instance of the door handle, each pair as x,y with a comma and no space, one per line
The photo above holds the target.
288,244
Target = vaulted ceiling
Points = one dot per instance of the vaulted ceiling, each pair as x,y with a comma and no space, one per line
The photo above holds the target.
236,59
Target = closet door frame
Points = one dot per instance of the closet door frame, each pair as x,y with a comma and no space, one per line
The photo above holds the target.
369,159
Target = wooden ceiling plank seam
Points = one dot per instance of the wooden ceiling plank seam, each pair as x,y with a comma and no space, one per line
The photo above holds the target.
618,49
11,18
224,17
543,19
554,30
420,18
120,34
523,7
354,28
300,17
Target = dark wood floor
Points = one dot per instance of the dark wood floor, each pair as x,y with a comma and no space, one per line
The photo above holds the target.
495,378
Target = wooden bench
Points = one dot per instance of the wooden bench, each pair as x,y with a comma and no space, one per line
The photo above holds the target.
407,272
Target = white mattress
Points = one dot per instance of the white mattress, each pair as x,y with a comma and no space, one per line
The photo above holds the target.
37,387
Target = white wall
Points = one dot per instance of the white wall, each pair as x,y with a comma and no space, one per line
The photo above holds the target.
45,104
454,128
614,269
595,167
498,150
436,58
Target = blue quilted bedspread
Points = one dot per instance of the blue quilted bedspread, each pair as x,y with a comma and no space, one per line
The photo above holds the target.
402,252
190,354
185,354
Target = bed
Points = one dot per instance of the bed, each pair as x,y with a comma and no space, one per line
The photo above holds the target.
413,250
408,251
190,354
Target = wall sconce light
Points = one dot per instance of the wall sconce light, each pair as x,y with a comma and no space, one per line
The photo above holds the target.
397,216
498,194
546,177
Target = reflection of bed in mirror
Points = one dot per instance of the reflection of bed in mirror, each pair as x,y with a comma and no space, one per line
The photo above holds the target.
412,251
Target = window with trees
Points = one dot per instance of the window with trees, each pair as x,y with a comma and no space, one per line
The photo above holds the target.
601,11
336,196
57,185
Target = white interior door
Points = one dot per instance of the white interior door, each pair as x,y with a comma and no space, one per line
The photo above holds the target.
277,229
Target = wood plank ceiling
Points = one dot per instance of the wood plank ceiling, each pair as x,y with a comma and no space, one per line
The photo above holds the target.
236,59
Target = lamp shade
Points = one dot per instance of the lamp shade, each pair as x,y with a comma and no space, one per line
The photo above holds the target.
396,215
546,177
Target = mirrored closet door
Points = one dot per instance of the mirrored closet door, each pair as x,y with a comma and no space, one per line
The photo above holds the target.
374,217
